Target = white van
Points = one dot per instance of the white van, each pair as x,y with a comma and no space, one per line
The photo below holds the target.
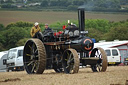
3,58
15,59
113,56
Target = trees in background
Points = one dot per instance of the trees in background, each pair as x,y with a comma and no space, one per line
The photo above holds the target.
71,5
44,3
119,31
98,5
1,27
12,33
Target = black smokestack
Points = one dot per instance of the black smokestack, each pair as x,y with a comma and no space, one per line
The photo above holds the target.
81,18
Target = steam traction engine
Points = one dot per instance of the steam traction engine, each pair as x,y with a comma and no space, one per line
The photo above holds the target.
64,52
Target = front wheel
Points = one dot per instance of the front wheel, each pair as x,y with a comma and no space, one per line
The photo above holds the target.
101,65
71,61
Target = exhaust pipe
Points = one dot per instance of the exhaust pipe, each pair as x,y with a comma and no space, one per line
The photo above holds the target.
81,18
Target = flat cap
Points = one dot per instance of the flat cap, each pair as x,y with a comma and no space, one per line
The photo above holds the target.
46,24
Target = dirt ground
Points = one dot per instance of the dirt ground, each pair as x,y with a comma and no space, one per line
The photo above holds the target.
115,75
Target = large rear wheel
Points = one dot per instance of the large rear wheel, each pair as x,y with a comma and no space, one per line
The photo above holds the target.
34,56
101,65
71,61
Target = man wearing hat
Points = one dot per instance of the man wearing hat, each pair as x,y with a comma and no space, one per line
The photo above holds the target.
47,29
35,30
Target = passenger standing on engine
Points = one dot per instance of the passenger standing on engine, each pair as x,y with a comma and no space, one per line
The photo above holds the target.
35,30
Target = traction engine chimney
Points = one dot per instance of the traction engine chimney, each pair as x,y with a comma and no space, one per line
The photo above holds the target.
81,18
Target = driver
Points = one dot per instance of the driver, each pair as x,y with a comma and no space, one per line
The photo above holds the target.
35,30
47,28
47,33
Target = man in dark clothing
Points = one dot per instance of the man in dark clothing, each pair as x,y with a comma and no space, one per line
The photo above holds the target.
47,30
47,33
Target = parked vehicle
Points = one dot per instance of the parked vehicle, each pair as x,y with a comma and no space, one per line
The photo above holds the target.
113,56
15,59
126,61
3,58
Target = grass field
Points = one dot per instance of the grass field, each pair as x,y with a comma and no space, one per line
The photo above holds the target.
7,17
115,75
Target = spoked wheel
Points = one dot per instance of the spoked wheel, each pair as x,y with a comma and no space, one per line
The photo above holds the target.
101,65
57,68
71,61
57,65
34,56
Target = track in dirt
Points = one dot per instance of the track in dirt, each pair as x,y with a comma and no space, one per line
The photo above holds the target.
115,75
